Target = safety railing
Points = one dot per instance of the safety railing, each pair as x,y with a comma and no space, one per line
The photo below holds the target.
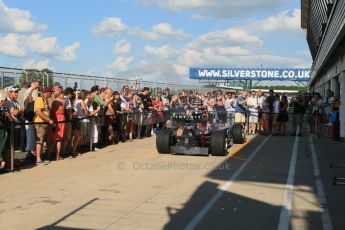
139,124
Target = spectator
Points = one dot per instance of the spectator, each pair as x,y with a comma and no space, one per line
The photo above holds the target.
298,113
146,106
15,113
21,94
57,114
184,101
42,114
56,88
93,108
130,114
119,111
219,107
335,129
265,119
270,100
158,106
283,116
317,113
196,102
228,108
30,97
69,99
209,103
80,113
97,98
261,101
253,105
329,108
3,123
241,108
276,110
110,117
123,115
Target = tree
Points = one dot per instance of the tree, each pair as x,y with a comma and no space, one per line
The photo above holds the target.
28,75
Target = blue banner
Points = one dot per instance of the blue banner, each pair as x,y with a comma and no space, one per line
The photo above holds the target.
293,74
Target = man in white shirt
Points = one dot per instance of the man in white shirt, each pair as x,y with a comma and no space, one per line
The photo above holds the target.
253,108
276,109
261,101
15,113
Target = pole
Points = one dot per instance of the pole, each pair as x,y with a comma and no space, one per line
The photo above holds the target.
66,83
26,76
47,75
91,133
2,79
38,77
12,145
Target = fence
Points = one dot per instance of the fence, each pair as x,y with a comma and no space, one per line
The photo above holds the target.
11,76
142,123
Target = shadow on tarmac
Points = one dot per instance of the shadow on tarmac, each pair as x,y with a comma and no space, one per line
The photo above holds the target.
234,211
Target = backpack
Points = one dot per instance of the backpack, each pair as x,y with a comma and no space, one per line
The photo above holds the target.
29,112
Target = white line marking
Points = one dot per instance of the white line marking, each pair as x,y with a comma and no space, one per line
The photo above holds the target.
201,214
325,217
284,220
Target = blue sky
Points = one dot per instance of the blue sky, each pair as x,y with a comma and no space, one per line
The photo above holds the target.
112,37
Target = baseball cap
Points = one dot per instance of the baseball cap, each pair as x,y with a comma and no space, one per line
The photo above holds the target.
47,89
13,89
35,80
271,91
57,84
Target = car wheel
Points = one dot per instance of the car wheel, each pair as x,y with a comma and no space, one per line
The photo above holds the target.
219,143
238,134
163,141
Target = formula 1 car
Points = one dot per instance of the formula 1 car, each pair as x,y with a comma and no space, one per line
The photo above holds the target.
198,133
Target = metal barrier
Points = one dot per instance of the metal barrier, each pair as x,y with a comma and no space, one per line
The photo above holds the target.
90,127
137,122
11,76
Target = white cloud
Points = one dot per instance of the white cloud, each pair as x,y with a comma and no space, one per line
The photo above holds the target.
111,26
164,72
286,22
213,49
122,47
19,46
38,44
11,45
233,51
217,8
21,37
161,52
166,31
68,54
32,64
303,66
228,37
121,63
114,27
15,20
228,48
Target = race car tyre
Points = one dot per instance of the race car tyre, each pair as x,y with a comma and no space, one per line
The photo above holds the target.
238,134
163,141
219,143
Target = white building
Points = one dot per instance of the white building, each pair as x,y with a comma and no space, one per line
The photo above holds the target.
324,22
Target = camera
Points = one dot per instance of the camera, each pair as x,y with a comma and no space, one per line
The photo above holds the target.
3,113
3,118
53,128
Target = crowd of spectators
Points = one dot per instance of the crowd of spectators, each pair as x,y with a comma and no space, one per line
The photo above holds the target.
66,121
